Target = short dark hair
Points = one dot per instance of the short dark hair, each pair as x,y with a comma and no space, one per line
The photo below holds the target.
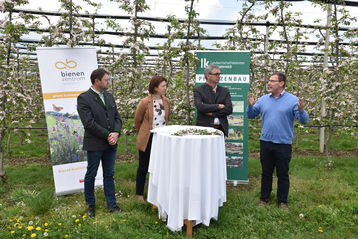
281,77
155,82
98,74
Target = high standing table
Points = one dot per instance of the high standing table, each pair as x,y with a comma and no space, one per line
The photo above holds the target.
187,179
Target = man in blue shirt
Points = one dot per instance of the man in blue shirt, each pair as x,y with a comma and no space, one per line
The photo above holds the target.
278,110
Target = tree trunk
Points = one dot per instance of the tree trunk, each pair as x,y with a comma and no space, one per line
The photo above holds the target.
188,92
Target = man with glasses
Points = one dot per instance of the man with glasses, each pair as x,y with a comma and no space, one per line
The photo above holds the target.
278,111
212,101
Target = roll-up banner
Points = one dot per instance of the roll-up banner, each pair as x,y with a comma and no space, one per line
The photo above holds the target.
65,73
235,69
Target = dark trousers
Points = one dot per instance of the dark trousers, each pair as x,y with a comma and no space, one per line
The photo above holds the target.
143,167
108,158
275,156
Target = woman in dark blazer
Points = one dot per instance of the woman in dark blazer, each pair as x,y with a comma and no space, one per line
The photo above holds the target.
152,111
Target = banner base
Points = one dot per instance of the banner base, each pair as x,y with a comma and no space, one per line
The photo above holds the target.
236,182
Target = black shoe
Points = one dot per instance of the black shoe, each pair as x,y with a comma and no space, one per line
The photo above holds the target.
91,211
114,209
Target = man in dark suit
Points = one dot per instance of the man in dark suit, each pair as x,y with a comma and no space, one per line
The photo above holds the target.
102,123
212,101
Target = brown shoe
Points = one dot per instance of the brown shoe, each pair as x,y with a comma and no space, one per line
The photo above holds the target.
283,206
262,204
140,198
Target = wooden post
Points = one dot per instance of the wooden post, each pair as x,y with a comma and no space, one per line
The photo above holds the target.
189,227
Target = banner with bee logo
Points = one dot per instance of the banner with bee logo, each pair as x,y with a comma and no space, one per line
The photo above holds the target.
65,73
235,75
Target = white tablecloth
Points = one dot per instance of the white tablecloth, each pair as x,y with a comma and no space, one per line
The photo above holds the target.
187,177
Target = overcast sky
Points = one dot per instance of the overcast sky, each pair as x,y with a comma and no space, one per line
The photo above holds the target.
208,9
226,10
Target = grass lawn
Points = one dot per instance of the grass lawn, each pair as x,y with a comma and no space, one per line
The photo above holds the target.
322,201
323,204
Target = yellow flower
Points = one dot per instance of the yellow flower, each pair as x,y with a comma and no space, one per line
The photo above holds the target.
94,222
46,230
38,228
33,235
320,229
59,223
30,228
12,232
17,224
84,216
65,236
77,220
45,224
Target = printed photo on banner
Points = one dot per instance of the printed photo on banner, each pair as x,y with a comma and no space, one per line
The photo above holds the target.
235,134
236,120
65,132
238,106
234,161
234,148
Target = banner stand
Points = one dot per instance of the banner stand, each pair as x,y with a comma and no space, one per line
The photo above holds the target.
65,73
235,69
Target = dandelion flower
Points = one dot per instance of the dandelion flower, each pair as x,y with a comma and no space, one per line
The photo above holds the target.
320,229
65,236
46,230
30,228
301,215
38,228
77,220
45,234
33,235
31,222
45,224
12,232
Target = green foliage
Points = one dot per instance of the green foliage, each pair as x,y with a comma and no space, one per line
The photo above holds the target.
40,203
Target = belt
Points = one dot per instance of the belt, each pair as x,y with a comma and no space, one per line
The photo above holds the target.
217,126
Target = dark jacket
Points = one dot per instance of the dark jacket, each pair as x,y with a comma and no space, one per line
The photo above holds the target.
98,120
207,101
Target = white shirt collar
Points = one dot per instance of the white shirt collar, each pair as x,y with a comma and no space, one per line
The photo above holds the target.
280,94
100,93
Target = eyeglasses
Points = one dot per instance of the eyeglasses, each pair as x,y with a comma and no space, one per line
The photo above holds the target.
273,81
215,74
